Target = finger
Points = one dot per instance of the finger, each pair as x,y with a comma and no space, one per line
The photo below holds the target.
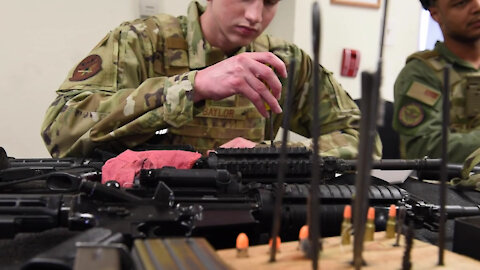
254,97
264,93
268,77
271,59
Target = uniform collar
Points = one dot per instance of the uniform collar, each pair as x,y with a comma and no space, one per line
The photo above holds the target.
201,53
451,57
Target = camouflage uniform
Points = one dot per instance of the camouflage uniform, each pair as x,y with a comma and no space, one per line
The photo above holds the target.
139,79
418,106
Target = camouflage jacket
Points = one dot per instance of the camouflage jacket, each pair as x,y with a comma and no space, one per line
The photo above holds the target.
418,106
130,86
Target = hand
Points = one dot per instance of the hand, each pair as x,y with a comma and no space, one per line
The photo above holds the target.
246,74
239,142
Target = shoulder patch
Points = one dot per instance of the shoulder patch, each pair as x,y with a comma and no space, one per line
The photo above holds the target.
423,55
424,94
89,66
411,114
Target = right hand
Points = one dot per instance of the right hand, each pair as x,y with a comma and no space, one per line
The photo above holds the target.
239,142
246,74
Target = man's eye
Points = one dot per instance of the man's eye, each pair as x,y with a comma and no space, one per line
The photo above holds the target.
459,3
271,2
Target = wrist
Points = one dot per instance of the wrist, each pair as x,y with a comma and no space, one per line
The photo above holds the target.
197,87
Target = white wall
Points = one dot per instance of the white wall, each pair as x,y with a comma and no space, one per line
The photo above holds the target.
42,40
430,32
404,21
359,28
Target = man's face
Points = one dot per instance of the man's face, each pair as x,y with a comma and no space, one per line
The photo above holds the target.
458,19
236,23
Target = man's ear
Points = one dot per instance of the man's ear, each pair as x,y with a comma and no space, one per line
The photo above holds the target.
434,12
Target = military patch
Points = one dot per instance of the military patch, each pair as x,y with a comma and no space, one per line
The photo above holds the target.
411,115
89,66
424,93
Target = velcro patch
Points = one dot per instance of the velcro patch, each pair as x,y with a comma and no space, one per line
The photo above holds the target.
89,66
411,115
424,94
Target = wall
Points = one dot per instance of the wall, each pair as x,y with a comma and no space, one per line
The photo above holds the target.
430,32
359,28
404,20
42,40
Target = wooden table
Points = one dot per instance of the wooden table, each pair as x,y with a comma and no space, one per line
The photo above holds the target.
379,254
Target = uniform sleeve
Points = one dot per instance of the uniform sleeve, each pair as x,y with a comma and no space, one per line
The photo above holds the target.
419,124
117,97
339,115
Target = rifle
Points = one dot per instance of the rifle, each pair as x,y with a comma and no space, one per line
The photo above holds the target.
263,163
208,201
180,208
253,164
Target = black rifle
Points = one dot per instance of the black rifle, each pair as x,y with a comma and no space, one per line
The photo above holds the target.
253,164
263,163
208,201
219,214
217,207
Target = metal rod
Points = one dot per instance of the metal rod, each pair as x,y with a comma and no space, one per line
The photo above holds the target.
370,96
314,227
443,168
400,222
271,129
282,161
407,255
362,182
381,103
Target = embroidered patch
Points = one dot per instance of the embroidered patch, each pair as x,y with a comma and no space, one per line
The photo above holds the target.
411,115
89,66
424,93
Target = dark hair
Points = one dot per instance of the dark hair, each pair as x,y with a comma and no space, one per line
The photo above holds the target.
427,3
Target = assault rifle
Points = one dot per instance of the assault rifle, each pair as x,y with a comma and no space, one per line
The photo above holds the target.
253,164
219,198
216,210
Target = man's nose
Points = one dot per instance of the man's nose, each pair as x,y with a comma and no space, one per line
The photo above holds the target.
254,11
476,6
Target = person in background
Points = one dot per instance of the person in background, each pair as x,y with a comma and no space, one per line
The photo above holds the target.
203,79
418,88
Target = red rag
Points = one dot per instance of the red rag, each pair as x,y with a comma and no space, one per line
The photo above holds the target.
124,167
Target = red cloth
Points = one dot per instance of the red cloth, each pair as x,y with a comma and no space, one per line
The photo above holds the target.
124,167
